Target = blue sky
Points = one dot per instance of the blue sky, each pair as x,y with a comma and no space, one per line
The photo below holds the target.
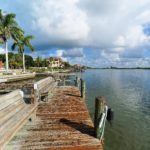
96,33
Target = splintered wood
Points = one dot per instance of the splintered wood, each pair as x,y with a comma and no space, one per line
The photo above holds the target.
63,123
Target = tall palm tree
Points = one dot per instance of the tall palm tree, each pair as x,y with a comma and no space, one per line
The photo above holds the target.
8,29
21,44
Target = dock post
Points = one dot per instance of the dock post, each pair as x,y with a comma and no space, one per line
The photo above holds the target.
99,109
64,82
77,81
83,88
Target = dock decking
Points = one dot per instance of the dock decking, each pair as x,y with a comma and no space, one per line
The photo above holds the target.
63,123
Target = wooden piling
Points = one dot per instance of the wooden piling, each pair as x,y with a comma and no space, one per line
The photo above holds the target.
83,88
64,82
77,81
100,103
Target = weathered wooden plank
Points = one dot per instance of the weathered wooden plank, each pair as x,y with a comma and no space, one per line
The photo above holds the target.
8,125
13,114
48,87
9,102
10,98
13,125
11,78
5,114
43,87
10,107
44,83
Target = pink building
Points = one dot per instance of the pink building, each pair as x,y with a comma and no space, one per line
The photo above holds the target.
1,65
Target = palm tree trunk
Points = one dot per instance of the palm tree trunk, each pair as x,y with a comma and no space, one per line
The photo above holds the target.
24,68
6,56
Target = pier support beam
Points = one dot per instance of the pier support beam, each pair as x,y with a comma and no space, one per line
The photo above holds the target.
100,103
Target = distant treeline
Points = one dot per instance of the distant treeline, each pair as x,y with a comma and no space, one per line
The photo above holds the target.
15,61
122,68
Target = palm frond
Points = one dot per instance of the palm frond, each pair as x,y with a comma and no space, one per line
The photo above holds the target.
31,47
9,20
1,15
17,29
13,47
27,42
28,38
16,33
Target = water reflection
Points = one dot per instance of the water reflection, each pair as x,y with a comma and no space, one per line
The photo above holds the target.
128,92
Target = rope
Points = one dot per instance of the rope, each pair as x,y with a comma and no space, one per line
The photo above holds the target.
102,122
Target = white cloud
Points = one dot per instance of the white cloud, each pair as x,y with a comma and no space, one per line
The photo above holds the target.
59,53
143,17
81,23
59,21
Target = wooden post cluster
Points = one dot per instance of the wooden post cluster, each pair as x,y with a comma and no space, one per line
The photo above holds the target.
100,103
83,88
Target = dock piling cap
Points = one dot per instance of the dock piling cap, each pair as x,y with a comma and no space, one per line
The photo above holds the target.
21,92
101,98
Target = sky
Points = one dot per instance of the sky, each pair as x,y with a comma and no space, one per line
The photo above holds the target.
97,33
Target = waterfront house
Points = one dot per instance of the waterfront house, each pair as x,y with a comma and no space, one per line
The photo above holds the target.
54,62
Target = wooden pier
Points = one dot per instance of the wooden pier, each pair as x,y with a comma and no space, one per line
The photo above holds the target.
61,123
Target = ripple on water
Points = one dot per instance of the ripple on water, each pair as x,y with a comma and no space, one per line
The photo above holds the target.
128,93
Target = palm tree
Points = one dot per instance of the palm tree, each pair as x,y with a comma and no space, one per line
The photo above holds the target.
8,29
21,44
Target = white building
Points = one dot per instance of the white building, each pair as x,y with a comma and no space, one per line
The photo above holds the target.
55,62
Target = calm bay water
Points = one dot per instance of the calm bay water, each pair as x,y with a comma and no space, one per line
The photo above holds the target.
128,93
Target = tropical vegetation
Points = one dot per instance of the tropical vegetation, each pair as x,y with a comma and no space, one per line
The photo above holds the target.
8,29
15,61
21,44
